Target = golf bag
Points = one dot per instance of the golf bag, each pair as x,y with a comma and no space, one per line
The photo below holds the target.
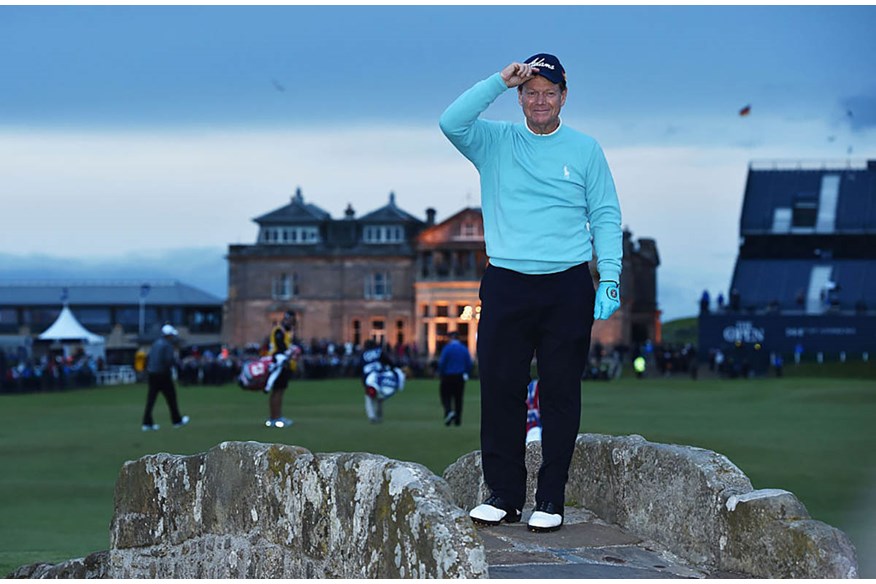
259,374
254,373
385,382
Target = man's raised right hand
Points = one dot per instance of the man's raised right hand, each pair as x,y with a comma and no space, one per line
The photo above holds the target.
518,73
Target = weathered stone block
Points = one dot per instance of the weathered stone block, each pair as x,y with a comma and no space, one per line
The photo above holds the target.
250,510
91,566
669,493
773,523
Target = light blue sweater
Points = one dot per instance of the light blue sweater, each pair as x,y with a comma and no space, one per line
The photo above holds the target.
538,192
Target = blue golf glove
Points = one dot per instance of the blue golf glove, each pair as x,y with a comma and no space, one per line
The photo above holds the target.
607,300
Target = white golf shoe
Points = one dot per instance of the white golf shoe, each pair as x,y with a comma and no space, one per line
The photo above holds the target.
546,517
494,511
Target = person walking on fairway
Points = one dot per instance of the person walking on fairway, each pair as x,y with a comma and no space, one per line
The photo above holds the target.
454,367
548,201
159,370
374,360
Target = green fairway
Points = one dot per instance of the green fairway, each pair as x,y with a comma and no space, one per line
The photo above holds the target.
61,452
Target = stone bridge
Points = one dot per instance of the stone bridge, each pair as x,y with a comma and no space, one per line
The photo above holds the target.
253,510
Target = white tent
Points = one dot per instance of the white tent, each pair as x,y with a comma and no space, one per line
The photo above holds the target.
67,329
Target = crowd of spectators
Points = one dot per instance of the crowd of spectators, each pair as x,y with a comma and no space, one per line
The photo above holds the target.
830,300
742,361
721,305
21,373
670,359
323,359
665,359
320,359
604,364
207,367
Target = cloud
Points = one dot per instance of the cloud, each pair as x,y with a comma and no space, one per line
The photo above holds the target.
203,268
99,193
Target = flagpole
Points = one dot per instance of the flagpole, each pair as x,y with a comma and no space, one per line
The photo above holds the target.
142,313
144,291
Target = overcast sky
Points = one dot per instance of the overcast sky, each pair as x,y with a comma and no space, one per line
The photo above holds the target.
155,129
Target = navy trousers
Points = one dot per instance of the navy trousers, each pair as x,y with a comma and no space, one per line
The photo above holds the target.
161,383
451,389
549,316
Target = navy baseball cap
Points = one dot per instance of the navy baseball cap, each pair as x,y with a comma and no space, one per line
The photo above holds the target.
548,67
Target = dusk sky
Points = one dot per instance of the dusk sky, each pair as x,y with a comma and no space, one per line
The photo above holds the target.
156,130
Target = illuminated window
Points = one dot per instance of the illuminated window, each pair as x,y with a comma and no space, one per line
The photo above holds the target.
378,331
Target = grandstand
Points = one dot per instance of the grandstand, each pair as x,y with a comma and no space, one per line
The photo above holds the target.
805,276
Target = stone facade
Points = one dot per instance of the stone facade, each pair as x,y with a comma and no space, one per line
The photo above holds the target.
330,302
349,279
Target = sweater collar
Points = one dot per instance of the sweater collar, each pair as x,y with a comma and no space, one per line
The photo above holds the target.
560,125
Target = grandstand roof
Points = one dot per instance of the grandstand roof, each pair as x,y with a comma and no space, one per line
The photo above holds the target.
837,197
103,293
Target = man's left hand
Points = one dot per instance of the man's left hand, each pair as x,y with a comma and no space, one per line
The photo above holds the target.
607,300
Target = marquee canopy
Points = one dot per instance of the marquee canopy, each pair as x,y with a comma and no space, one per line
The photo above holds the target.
67,328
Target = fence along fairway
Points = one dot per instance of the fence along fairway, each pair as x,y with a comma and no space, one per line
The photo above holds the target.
62,451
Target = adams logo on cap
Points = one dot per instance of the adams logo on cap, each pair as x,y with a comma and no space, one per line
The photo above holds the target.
540,62
548,67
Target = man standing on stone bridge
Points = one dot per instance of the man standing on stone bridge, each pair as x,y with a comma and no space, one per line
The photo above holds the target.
546,193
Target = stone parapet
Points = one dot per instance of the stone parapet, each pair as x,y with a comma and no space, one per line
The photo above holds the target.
695,502
251,510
